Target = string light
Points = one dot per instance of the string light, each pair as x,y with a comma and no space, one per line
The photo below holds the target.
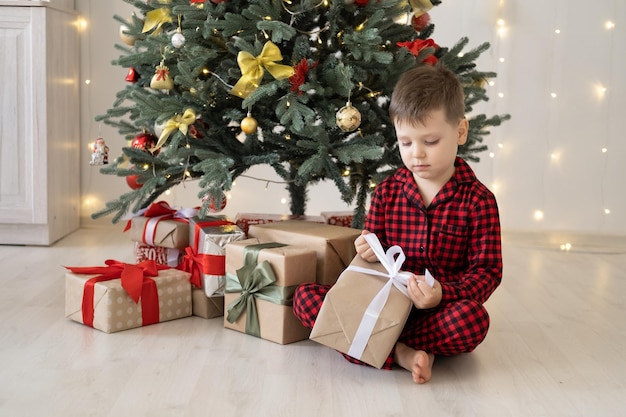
609,25
566,247
538,215
81,24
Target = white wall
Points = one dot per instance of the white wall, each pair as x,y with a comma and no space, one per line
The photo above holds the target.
548,157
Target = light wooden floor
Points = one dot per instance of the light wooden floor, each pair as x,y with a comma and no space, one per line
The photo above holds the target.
557,347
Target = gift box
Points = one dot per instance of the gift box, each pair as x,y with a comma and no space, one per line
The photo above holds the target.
245,220
338,218
206,307
260,281
123,296
158,254
364,313
161,225
334,245
205,257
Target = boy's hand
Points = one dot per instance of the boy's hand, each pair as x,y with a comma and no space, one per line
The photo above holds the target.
363,248
422,295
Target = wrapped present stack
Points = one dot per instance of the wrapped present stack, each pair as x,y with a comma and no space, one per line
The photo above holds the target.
205,259
122,296
261,278
333,245
160,233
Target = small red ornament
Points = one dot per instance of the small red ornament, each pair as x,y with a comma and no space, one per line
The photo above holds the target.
131,180
361,2
213,204
420,22
132,76
145,141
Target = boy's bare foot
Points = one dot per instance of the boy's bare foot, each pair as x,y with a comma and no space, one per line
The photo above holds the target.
418,362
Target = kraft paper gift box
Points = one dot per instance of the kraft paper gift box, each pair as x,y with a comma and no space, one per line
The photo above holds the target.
206,307
205,257
161,225
123,296
334,245
364,313
158,254
245,220
260,281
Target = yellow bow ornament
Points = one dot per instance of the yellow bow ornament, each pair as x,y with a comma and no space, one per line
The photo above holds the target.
252,69
155,19
420,6
179,122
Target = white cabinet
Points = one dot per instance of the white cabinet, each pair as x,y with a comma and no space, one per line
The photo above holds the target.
39,122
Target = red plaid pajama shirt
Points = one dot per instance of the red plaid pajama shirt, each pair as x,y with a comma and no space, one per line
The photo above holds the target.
457,238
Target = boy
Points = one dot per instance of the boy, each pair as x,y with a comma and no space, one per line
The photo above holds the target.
442,217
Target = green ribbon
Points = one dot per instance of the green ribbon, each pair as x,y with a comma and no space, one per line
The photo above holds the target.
255,280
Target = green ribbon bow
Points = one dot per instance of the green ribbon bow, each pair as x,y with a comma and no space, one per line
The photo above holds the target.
255,281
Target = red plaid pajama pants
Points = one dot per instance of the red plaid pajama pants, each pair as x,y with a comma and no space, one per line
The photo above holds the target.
457,327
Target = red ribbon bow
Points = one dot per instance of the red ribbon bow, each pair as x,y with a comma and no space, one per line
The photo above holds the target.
161,74
198,263
135,282
157,212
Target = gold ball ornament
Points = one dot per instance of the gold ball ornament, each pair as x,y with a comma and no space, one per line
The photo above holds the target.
125,37
348,118
249,124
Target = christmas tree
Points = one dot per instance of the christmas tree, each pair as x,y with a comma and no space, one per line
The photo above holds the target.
216,87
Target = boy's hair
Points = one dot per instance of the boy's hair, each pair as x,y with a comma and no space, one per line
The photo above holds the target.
424,89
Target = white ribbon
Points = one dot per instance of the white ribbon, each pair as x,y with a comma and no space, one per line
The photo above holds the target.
397,278
149,230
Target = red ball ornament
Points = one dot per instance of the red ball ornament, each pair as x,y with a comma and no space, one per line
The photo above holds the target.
145,141
420,22
361,2
131,180
213,204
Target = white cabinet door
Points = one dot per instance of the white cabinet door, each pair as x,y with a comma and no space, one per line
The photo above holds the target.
39,155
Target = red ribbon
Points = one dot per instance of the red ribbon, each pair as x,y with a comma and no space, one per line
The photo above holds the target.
157,211
134,280
198,263
161,74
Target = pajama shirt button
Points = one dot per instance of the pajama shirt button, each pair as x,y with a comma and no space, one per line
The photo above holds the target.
421,249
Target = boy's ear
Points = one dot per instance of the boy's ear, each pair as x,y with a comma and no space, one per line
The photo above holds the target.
463,129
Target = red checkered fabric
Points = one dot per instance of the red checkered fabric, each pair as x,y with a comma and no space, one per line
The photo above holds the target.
457,237
457,327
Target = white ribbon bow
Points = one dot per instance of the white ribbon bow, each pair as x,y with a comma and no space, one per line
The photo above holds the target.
397,278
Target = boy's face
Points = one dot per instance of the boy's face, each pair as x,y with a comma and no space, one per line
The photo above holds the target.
429,150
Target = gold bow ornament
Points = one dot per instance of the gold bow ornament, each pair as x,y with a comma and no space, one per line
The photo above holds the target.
179,122
155,19
420,6
252,69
